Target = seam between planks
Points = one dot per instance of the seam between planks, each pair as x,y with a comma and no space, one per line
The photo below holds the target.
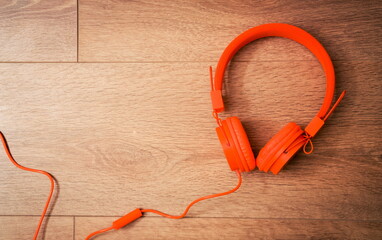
74,227
250,218
209,62
78,30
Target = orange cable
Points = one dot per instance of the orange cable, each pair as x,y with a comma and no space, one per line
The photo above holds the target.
197,200
8,152
98,232
138,213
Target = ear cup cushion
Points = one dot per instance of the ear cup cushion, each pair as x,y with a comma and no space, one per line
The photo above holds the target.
289,154
232,151
242,144
229,148
275,149
272,144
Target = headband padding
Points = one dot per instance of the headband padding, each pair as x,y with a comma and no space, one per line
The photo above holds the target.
275,30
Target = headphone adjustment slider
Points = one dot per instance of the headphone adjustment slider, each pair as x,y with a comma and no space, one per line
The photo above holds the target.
314,126
217,100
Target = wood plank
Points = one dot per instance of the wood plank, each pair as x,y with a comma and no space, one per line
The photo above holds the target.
231,228
119,136
23,227
149,30
36,31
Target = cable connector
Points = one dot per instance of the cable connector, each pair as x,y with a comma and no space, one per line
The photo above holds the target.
128,218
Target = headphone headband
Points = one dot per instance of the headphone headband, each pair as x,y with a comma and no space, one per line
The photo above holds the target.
274,30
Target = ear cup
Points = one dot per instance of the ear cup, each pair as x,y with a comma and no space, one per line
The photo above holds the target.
281,148
236,146
241,141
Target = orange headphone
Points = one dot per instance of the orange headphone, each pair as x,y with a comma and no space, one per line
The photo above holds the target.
237,149
285,144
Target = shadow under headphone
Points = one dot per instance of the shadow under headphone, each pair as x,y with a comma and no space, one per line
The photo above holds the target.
237,149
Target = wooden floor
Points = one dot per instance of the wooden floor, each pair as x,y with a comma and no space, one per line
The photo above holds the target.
112,98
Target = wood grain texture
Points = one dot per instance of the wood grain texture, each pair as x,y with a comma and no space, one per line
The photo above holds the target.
232,228
139,133
35,31
149,30
118,136
23,227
